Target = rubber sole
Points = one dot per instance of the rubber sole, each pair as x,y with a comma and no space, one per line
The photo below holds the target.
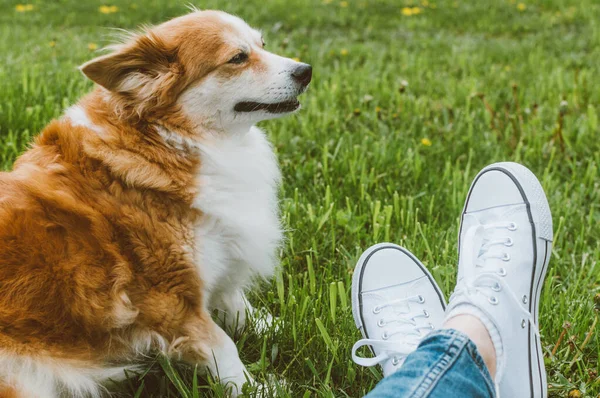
541,219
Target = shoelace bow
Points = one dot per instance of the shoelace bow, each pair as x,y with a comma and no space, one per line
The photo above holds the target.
402,323
476,281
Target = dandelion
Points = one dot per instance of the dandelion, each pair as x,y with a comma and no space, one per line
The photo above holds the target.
426,141
24,7
408,11
521,7
424,3
92,46
377,109
108,9
574,393
507,68
403,85
395,115
344,52
52,44
296,59
343,4
356,111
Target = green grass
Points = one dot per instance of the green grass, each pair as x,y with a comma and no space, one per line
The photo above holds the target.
485,83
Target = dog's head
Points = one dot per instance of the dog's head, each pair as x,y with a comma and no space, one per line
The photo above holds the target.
209,67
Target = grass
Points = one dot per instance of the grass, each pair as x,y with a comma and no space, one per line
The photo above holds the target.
403,111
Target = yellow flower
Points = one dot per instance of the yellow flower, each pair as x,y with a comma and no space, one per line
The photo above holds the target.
344,52
92,46
24,7
356,111
408,11
377,109
343,4
108,9
507,68
424,3
52,43
395,115
521,7
426,141
296,59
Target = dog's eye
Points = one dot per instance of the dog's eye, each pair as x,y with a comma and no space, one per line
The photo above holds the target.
239,59
263,43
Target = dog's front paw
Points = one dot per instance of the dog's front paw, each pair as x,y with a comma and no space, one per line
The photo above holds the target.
263,321
271,387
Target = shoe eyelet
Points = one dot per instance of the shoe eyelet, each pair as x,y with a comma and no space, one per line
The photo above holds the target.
395,361
506,257
426,313
497,287
509,242
512,226
380,323
421,299
502,272
493,300
376,310
523,324
385,336
525,299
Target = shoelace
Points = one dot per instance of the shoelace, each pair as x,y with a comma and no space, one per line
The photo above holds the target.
476,281
401,323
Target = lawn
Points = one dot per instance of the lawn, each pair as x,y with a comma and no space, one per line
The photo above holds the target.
409,100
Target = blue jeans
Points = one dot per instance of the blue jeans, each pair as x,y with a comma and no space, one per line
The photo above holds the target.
446,365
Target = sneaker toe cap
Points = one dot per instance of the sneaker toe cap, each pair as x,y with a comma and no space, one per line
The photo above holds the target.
389,266
493,188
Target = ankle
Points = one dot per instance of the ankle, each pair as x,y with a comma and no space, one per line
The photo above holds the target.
479,335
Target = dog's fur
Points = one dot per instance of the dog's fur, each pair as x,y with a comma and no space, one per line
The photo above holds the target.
149,204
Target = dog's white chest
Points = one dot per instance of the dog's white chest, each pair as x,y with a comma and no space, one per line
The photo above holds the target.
239,231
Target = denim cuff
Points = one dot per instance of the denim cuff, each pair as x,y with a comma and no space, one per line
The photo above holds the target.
456,341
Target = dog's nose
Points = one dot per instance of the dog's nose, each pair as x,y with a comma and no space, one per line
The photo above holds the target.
302,74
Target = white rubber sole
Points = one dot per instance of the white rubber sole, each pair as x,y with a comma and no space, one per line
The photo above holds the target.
358,270
541,217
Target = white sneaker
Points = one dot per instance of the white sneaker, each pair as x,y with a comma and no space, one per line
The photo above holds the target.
504,248
395,303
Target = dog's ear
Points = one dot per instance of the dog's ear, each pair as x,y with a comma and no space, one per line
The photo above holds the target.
141,67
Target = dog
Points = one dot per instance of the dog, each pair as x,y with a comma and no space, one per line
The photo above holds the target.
147,206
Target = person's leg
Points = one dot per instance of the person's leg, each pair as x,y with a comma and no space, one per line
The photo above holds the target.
491,327
396,303
479,335
504,249
445,365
